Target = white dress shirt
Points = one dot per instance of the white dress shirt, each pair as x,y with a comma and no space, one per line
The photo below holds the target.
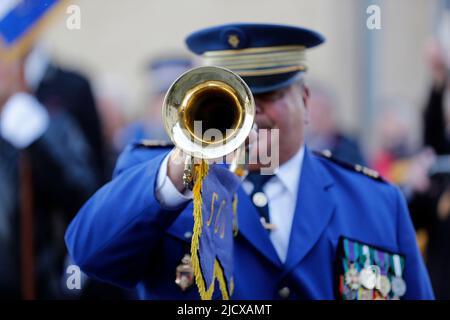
281,192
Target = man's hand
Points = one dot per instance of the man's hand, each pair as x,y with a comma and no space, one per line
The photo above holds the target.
175,168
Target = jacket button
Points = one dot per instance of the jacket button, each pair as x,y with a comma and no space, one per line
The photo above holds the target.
284,292
187,234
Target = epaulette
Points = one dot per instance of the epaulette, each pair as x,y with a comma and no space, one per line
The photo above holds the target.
354,167
146,143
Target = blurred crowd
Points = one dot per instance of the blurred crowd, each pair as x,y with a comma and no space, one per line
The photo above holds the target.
60,136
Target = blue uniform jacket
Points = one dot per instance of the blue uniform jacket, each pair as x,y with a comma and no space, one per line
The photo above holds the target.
124,237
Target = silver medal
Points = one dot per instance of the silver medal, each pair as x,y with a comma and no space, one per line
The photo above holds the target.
368,278
398,286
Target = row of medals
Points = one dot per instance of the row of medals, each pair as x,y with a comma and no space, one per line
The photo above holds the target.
369,284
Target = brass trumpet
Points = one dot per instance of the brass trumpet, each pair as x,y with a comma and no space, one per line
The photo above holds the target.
208,112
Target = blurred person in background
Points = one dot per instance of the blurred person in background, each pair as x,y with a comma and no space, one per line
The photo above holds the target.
69,91
436,117
56,87
47,171
324,132
398,155
52,156
401,159
112,100
161,72
431,209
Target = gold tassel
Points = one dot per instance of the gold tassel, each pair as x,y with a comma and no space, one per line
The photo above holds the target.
235,218
218,274
201,171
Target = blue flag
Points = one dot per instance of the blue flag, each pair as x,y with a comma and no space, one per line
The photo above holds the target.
20,21
215,204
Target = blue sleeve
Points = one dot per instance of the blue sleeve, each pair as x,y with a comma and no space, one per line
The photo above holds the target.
133,155
418,285
112,237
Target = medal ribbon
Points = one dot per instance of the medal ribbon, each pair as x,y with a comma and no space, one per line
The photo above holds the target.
397,265
366,255
381,261
345,261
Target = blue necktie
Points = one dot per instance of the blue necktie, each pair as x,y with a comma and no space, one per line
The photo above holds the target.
259,198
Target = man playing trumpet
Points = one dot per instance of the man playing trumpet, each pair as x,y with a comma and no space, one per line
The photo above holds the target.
315,228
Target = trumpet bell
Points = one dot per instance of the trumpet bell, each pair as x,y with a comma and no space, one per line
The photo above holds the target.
208,112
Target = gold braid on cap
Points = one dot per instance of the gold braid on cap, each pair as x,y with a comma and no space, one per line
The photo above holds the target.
258,61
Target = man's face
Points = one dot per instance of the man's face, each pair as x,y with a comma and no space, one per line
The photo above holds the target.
286,110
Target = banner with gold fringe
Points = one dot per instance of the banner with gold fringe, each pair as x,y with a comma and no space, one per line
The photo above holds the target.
214,229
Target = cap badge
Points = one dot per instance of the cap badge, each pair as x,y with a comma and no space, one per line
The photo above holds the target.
233,40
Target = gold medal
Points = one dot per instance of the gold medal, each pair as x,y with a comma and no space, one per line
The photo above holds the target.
185,274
